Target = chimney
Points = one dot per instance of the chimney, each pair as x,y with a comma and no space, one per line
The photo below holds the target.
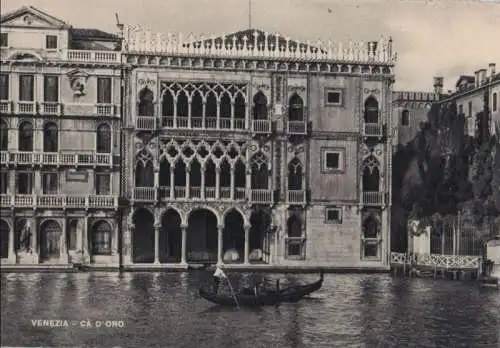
438,85
476,78
482,76
491,67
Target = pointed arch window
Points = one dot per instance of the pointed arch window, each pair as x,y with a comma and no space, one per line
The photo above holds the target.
295,175
371,110
239,107
103,138
26,137
144,171
259,106
167,104
4,135
182,104
260,172
50,137
146,105
296,108
371,175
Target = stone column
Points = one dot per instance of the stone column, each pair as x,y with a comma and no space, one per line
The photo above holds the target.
172,179
247,244
85,238
220,245
202,184
12,252
127,243
63,250
203,115
157,243
184,243
232,183
188,181
247,116
34,240
217,182
232,115
156,181
218,116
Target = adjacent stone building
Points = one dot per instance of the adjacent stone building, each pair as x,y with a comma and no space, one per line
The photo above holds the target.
59,136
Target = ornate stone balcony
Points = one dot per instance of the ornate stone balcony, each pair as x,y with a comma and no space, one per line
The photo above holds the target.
373,198
150,123
261,196
5,106
50,108
296,197
373,129
296,127
27,108
181,193
56,158
90,56
59,201
261,126
256,44
105,110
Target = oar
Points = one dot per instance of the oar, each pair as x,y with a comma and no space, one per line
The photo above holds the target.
232,293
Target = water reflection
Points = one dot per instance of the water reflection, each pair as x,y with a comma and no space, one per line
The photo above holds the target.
164,310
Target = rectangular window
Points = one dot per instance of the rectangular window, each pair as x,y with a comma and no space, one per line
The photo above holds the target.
102,184
24,183
51,88
4,40
333,215
333,97
332,160
49,183
4,182
26,88
494,100
4,87
104,90
371,249
460,109
405,118
470,109
51,42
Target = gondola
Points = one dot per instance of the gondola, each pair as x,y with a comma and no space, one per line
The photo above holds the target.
293,293
266,297
246,300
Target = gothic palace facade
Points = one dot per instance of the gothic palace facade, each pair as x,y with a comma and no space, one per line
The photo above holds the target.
246,149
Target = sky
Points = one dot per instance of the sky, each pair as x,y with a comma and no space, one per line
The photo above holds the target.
432,37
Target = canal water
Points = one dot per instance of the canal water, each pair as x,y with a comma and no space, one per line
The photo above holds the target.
164,310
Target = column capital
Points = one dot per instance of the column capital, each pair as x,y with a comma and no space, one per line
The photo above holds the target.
247,227
184,226
220,227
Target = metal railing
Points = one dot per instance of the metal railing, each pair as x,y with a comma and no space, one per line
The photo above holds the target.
261,126
296,127
296,196
373,129
373,198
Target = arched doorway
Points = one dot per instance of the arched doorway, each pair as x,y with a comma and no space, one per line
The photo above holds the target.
294,236
50,237
260,222
372,227
4,239
170,237
371,110
146,105
72,235
233,237
143,239
201,244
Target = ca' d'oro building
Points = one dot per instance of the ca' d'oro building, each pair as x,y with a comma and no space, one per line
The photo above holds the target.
253,148
60,126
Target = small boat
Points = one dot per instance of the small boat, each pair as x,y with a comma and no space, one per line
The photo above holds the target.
246,300
292,293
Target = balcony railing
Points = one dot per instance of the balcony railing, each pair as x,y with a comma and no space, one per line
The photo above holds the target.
51,108
196,193
373,129
178,122
296,197
261,126
373,198
145,123
28,108
261,196
59,201
5,107
93,56
296,127
56,158
105,109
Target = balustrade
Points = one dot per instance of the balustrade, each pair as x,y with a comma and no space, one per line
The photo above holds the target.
59,201
149,194
261,126
296,127
93,56
5,107
261,196
28,108
373,198
373,129
296,197
51,108
105,109
171,122
56,158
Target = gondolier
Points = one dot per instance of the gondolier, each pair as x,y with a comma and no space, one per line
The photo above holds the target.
218,274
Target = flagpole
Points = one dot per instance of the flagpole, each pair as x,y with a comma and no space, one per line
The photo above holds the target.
249,14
